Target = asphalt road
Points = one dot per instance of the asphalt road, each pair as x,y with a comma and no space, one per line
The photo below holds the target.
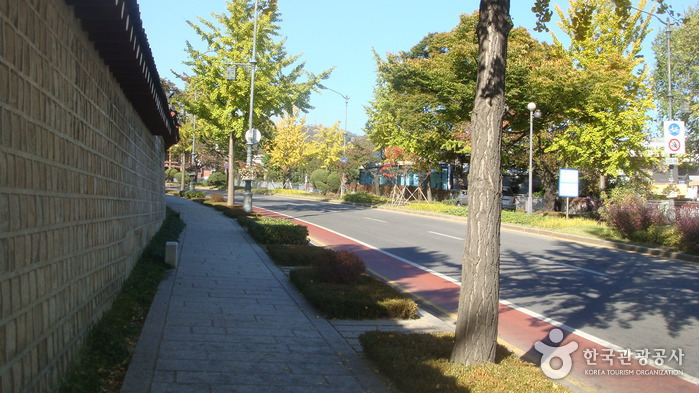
631,300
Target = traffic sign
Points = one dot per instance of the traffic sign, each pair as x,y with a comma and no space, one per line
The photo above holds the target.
674,146
674,137
252,136
568,183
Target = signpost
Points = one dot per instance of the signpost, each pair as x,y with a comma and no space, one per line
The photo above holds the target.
568,185
674,132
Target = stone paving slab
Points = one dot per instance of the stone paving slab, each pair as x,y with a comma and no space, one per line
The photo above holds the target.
228,320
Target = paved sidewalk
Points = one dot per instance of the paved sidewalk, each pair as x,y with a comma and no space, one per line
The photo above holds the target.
228,320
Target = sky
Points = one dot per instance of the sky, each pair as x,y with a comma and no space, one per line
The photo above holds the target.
340,34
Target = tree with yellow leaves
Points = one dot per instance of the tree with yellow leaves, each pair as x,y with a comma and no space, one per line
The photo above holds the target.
328,146
290,147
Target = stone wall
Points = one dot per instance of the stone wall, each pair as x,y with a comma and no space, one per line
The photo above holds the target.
81,190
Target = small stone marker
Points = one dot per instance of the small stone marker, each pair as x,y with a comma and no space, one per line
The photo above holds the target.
171,253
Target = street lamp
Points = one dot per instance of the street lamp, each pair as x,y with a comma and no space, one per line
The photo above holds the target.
533,112
253,135
344,138
668,36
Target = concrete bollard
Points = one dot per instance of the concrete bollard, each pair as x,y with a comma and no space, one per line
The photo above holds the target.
171,256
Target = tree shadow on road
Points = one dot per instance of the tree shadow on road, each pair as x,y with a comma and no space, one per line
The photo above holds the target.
630,288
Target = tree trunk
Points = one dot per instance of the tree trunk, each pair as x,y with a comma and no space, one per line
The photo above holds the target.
459,173
477,321
429,186
550,196
602,183
377,185
182,167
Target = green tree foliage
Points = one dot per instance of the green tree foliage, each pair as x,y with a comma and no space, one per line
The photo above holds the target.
476,331
684,73
594,96
606,117
360,152
222,103
424,96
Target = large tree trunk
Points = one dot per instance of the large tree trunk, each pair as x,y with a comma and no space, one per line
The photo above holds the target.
477,322
182,169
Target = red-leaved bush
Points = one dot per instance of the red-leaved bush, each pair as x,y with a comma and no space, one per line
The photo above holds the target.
339,267
630,213
687,223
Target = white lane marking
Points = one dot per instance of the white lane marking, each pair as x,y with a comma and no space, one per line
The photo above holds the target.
372,219
571,266
442,234
595,339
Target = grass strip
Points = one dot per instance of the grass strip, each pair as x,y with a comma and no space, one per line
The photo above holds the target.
108,347
419,362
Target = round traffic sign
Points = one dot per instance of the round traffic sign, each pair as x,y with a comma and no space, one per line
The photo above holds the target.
253,136
674,129
674,145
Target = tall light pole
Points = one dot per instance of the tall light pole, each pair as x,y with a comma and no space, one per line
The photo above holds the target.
668,36
252,133
194,142
533,112
344,138
252,136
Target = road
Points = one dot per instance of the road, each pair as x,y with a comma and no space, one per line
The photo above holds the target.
627,299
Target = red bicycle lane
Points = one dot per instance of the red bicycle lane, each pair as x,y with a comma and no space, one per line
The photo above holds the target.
597,366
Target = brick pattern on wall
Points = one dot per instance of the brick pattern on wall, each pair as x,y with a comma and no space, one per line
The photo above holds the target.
81,191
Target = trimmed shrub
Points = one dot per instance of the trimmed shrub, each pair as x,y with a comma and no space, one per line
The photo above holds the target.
339,267
217,179
192,194
364,197
294,254
334,181
325,181
688,226
368,299
173,175
275,230
170,174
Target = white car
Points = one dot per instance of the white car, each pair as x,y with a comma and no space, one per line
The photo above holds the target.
509,202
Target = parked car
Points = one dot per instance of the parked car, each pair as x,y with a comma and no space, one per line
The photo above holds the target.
509,202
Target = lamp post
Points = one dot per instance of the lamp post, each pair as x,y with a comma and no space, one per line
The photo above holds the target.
533,112
344,138
252,136
194,142
668,36
253,133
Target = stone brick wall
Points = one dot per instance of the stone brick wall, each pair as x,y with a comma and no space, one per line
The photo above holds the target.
81,190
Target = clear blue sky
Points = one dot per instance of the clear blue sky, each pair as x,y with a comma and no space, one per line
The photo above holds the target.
334,33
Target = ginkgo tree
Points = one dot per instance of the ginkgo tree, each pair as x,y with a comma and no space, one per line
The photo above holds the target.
477,320
290,148
606,120
327,146
423,98
223,87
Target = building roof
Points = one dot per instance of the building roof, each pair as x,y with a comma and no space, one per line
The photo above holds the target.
116,28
